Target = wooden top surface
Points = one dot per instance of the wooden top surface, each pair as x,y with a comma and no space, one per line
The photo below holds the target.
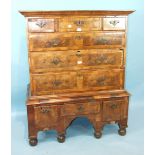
77,12
74,97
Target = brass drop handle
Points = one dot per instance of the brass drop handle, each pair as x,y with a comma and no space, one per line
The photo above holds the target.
114,22
78,54
79,74
113,106
101,81
45,110
102,59
55,42
55,61
79,22
92,100
78,37
56,83
41,24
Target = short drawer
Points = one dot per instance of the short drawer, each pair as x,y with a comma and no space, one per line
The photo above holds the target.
66,41
91,107
46,116
75,59
79,24
113,110
111,23
42,25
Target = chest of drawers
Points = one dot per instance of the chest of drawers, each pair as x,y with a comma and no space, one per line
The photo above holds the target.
77,69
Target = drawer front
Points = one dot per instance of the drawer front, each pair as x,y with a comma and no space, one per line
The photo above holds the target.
46,116
111,23
54,60
82,80
77,24
42,25
50,83
103,79
66,41
112,110
91,107
76,59
104,40
99,58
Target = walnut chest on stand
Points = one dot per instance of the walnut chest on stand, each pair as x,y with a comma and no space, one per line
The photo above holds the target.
77,69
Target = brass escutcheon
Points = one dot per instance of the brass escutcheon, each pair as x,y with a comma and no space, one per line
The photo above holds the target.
79,22
41,24
114,106
114,22
45,109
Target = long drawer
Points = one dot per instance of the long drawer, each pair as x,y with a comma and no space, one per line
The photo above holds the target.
75,59
74,81
66,41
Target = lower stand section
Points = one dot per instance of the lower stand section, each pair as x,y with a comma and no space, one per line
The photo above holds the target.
57,114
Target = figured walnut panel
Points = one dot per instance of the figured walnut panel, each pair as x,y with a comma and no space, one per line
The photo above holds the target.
102,58
42,42
46,116
113,110
103,79
104,39
42,25
55,60
91,107
75,59
66,41
76,24
53,82
125,108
